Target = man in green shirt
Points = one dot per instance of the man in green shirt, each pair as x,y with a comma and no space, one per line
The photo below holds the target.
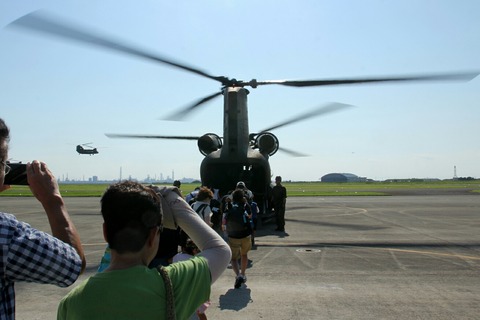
128,289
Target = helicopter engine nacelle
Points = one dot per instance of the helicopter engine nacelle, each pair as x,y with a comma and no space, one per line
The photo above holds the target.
267,143
209,143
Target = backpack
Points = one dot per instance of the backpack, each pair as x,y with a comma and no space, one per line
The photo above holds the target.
216,218
254,207
238,223
183,236
201,210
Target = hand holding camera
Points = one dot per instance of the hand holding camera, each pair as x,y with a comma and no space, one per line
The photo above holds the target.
17,174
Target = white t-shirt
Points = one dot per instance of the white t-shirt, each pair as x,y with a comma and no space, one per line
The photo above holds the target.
206,212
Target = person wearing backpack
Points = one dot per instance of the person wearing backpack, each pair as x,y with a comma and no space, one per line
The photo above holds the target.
254,217
216,207
239,230
202,204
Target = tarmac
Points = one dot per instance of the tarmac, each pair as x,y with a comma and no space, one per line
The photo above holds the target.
392,257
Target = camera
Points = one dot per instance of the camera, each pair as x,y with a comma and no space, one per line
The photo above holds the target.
17,174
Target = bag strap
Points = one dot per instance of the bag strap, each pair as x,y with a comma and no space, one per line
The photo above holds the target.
201,210
169,291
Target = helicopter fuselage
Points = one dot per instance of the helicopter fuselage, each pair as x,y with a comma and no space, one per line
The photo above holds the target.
82,150
236,160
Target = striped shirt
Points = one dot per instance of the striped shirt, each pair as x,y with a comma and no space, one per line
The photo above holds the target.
27,254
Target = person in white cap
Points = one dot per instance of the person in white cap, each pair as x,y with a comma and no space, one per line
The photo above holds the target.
248,193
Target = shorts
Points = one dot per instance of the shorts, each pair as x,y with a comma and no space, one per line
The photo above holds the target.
239,246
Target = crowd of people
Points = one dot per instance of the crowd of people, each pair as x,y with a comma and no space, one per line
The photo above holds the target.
142,274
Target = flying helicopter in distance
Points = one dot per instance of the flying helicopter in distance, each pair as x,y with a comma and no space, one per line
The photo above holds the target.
86,148
239,154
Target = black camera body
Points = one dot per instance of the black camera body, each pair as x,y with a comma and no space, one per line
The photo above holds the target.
17,174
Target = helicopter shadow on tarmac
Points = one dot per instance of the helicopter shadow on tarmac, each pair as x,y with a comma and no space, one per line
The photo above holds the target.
270,232
267,228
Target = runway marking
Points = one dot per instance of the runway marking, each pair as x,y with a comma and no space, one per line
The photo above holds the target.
360,211
430,253
94,244
400,265
303,244
308,250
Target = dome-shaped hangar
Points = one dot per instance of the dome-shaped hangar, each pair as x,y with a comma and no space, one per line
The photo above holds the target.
341,177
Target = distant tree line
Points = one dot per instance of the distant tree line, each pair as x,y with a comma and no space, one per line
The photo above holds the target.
465,178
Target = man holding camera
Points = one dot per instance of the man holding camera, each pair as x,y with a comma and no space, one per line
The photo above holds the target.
31,255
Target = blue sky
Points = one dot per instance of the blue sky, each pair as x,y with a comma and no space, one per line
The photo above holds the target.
56,94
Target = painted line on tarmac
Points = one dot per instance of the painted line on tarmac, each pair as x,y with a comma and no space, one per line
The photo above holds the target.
309,245
303,244
430,253
94,244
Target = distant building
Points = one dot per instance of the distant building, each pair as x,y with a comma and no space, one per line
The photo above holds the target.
342,177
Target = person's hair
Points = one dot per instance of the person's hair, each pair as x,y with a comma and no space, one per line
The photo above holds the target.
238,195
130,210
4,139
190,247
278,178
204,193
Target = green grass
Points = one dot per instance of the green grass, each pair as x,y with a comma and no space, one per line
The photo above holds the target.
67,190
372,188
294,189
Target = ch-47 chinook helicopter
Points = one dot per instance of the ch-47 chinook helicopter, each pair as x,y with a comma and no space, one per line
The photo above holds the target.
238,155
86,148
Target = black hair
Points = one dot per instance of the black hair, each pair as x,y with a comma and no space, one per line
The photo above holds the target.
238,195
4,139
190,247
130,210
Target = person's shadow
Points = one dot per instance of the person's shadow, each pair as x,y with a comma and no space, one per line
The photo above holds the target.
235,299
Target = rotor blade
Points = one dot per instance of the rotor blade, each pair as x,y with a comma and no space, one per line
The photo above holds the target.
292,153
146,136
180,115
53,26
467,76
332,107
